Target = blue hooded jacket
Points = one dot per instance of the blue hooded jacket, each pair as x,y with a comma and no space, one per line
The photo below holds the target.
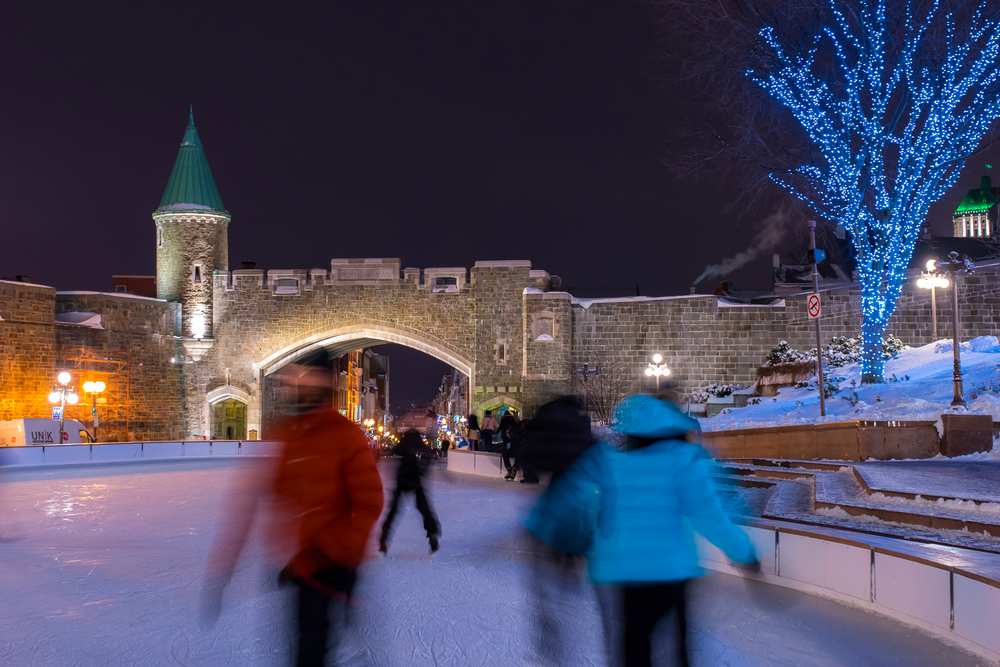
663,495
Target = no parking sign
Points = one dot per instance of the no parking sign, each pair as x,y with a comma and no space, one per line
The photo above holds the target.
813,306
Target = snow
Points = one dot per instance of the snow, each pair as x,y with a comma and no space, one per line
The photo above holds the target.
92,320
726,303
123,295
919,387
102,565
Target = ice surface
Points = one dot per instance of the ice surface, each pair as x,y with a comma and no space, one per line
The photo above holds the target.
102,565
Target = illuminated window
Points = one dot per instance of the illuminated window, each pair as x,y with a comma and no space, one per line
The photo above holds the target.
197,273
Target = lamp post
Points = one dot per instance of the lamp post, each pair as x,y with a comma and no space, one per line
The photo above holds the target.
932,280
94,388
63,394
587,370
953,267
657,369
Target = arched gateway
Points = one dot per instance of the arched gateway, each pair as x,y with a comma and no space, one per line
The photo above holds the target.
497,322
473,320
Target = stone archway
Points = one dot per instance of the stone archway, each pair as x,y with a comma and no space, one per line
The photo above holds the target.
228,408
340,341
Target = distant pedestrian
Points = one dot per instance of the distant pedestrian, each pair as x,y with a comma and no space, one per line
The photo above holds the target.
645,547
509,426
472,430
489,429
414,457
431,428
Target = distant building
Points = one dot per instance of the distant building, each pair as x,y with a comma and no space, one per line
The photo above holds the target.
976,216
137,285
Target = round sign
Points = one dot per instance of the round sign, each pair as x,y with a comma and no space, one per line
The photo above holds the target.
13,440
65,436
813,305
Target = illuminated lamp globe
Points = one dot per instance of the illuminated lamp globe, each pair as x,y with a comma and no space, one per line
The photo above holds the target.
649,372
64,378
54,397
943,282
923,283
72,399
931,265
666,371
657,358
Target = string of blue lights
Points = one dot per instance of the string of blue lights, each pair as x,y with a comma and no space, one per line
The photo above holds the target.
892,114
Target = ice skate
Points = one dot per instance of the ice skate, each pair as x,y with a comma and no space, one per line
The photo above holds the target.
434,543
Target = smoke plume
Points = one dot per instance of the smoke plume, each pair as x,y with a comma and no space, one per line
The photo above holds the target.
771,233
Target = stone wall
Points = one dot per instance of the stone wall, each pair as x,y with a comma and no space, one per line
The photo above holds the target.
141,333
28,349
260,324
704,342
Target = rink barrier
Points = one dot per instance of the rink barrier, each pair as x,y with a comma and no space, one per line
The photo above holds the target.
949,602
953,603
117,452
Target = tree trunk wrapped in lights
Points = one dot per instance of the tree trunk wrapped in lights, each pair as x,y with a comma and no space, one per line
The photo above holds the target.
893,97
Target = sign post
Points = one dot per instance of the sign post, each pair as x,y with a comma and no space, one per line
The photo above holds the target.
815,308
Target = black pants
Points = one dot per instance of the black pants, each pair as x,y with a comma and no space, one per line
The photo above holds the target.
505,457
643,607
314,611
486,440
423,506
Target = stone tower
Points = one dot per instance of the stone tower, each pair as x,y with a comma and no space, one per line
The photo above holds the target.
191,238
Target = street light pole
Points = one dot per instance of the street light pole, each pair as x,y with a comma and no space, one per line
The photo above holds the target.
657,369
586,369
955,266
62,395
934,310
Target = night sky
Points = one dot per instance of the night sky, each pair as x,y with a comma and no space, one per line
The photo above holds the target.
441,133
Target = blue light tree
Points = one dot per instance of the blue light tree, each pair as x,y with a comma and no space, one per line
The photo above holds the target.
893,100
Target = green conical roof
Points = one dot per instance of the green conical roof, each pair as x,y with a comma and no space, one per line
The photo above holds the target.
191,186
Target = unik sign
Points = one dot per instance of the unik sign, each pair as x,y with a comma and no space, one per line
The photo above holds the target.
42,438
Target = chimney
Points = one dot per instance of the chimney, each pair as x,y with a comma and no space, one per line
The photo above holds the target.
985,184
249,265
776,260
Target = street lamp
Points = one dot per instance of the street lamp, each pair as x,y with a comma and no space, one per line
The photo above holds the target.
94,388
932,280
953,267
587,370
657,369
63,394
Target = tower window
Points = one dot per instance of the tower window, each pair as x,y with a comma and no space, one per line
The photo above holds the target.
197,273
159,236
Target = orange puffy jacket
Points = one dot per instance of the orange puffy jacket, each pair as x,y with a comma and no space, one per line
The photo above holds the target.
328,475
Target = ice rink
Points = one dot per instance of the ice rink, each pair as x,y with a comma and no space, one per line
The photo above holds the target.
102,565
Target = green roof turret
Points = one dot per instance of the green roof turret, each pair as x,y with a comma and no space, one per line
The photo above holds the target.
191,186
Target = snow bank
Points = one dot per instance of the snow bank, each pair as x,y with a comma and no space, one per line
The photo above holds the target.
919,387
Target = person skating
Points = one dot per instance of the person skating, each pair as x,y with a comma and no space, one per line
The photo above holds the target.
413,457
559,441
645,547
328,496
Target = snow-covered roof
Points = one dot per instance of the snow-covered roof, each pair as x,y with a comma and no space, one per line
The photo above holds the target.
118,294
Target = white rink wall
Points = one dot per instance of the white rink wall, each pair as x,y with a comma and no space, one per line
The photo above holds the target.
948,602
132,451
